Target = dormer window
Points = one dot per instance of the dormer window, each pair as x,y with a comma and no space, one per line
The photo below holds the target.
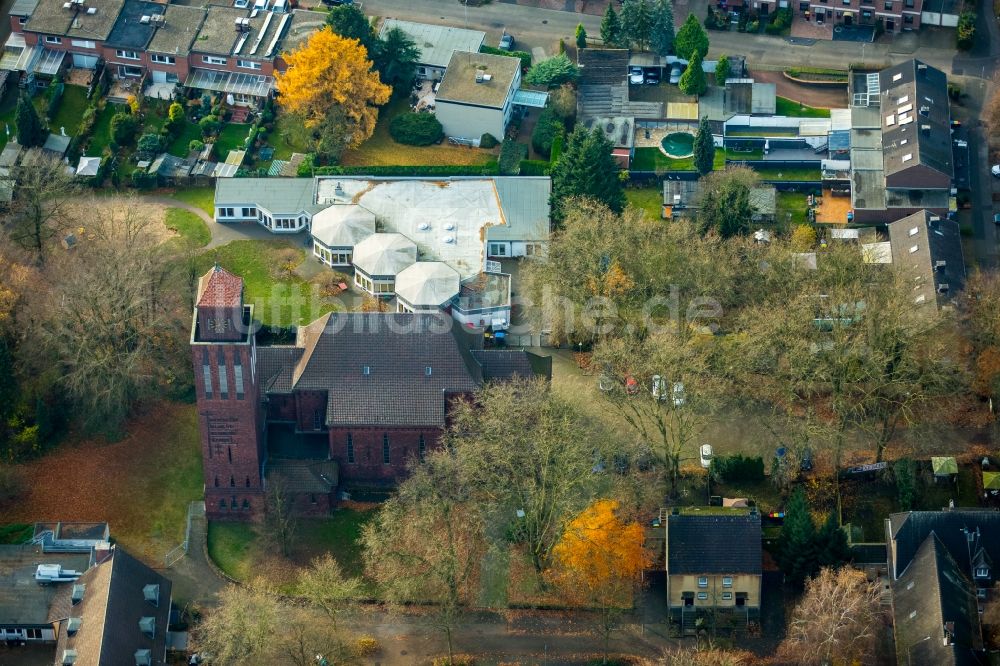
982,572
151,593
77,595
428,370
366,370
73,625
143,658
147,626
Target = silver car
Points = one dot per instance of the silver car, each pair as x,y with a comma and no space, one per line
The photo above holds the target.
675,73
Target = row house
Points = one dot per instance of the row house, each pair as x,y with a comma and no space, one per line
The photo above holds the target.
895,15
220,49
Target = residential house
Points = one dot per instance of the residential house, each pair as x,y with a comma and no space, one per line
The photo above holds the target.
927,249
436,43
169,48
280,205
367,392
476,95
714,564
941,569
894,15
603,90
56,29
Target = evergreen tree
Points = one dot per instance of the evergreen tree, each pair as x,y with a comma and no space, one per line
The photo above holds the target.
691,38
722,70
636,22
693,79
395,58
586,169
661,36
350,22
30,131
832,549
704,148
581,36
797,543
610,27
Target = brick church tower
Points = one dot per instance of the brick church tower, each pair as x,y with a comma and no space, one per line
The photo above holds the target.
229,406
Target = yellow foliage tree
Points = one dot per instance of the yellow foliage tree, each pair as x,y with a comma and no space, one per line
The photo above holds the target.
803,238
330,77
597,562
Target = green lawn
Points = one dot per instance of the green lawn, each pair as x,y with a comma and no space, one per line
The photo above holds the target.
758,132
791,209
782,173
653,159
71,107
179,146
788,107
289,136
202,197
282,298
16,533
231,137
101,137
189,227
229,546
649,199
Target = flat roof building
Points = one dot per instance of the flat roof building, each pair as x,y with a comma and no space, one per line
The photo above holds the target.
437,43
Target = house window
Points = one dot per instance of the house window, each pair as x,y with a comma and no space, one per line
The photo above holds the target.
222,505
249,212
162,59
232,504
206,370
909,3
223,379
83,43
421,448
384,287
702,596
248,482
703,581
49,39
727,581
246,505
727,596
888,6
128,70
248,64
229,449
127,55
982,572
212,60
216,482
350,448
908,19
312,498
385,449
22,20
227,212
238,376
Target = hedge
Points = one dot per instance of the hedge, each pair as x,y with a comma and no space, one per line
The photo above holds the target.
416,129
534,168
489,169
965,34
738,468
523,55
511,154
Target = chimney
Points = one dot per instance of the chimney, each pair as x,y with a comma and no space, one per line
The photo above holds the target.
940,265
102,552
925,130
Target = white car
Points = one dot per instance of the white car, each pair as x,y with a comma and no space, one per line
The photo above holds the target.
705,455
636,76
659,388
995,170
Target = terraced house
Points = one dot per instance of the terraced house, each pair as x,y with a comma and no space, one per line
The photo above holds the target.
220,49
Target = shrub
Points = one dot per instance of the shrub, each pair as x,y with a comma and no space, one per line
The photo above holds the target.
965,35
535,168
149,143
488,141
55,97
488,169
523,55
123,128
133,104
546,130
905,472
209,125
557,147
196,145
175,113
511,154
782,21
366,646
416,129
738,468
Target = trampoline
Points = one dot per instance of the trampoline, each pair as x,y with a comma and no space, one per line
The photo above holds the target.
678,144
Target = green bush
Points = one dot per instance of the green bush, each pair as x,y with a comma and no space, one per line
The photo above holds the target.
488,141
209,125
511,154
738,468
523,55
55,97
781,21
965,35
123,128
546,130
195,144
557,147
416,129
149,143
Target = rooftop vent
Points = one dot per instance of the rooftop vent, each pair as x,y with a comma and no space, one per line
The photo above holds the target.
67,5
144,20
73,625
147,625
242,24
151,593
68,657
423,226
450,226
449,239
926,129
54,573
143,658
940,265
158,19
339,189
943,288
78,591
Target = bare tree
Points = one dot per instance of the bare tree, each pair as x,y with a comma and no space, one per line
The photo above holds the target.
326,587
279,521
242,626
707,657
426,543
44,194
837,617
304,639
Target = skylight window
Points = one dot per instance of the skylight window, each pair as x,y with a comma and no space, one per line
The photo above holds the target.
907,157
897,77
914,249
914,231
905,98
919,299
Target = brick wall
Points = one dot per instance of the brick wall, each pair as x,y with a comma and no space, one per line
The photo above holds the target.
368,465
310,410
280,407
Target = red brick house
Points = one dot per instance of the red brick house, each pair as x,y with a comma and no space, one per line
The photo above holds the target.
353,401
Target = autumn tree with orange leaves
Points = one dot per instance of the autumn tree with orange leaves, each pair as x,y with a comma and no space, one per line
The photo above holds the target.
331,86
598,561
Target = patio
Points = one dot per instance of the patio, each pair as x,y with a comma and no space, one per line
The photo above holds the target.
79,77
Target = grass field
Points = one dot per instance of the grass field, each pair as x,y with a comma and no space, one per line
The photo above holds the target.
231,137
289,136
188,226
381,150
230,547
653,159
281,297
101,137
16,533
649,199
202,197
791,108
140,485
783,173
791,209
179,146
71,107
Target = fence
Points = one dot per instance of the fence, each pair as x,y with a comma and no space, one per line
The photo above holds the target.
175,554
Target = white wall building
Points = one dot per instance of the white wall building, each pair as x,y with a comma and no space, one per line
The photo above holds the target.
436,44
476,95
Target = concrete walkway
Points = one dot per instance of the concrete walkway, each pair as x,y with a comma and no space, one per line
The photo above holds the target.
194,580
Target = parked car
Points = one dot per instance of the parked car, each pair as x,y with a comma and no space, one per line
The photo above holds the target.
652,78
635,76
996,218
631,385
659,388
995,170
506,41
705,455
678,393
675,73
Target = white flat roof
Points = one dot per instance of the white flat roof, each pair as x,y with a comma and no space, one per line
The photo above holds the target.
384,254
343,225
447,219
436,42
427,284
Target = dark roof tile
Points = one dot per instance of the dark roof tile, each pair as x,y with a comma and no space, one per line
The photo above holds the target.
714,544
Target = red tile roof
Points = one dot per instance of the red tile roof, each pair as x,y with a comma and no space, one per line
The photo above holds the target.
219,288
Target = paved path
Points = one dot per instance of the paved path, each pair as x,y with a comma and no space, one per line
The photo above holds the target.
192,577
221,233
827,97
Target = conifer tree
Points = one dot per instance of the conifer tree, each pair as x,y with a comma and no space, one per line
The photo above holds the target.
586,168
636,22
832,548
691,38
30,131
661,36
610,27
797,543
693,79
581,36
704,148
